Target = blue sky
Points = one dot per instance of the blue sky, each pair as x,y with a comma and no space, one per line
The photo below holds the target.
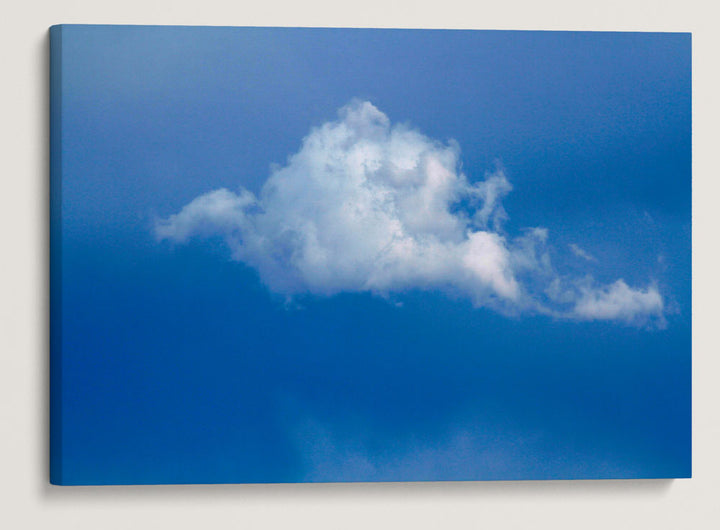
499,346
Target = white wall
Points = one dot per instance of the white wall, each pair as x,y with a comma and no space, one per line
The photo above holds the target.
27,501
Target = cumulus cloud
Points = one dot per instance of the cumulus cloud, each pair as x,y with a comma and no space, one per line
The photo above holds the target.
367,206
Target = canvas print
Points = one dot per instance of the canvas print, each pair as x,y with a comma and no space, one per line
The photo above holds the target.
324,255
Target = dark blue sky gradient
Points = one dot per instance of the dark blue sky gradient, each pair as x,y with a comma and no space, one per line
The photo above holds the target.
179,365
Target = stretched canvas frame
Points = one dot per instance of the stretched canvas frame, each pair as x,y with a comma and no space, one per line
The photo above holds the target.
296,255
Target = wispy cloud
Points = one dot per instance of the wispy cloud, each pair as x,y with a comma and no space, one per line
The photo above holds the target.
367,206
467,449
580,253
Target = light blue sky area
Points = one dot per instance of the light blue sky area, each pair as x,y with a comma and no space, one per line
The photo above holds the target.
213,337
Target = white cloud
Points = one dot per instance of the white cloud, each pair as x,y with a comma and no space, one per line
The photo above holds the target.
366,206
218,211
620,302
580,253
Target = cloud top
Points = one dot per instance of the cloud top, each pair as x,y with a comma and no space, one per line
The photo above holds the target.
367,206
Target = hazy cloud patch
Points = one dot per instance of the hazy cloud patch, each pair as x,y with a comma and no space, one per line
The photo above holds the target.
580,253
